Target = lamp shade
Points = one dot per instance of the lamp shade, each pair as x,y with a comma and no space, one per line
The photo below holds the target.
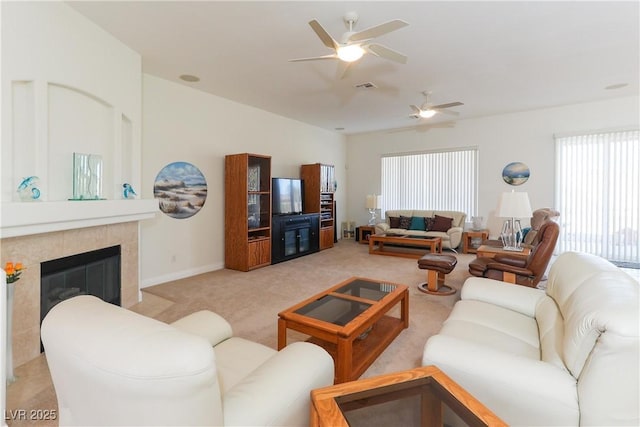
514,205
373,201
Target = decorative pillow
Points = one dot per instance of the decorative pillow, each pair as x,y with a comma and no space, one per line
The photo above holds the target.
417,223
428,223
405,222
530,237
441,223
394,222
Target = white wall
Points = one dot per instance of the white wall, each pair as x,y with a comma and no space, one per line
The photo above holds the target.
50,44
61,76
518,137
184,124
67,86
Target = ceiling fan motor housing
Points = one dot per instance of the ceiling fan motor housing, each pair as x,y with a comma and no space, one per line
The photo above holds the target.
350,19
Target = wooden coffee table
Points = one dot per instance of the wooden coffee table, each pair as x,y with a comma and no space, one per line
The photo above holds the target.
350,320
406,245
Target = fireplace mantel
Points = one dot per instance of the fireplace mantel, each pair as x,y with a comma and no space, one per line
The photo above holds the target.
22,219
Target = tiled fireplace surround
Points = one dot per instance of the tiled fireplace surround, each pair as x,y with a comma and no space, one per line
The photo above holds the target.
31,250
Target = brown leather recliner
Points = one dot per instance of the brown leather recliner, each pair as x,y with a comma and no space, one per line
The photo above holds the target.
526,272
538,218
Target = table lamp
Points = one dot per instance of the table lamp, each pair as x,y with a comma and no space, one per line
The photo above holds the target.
513,206
373,203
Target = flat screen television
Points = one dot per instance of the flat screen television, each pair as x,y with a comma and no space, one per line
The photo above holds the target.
286,196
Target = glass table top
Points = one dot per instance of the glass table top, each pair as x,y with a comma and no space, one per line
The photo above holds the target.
340,311
366,289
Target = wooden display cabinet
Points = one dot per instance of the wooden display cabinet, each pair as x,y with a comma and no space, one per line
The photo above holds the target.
319,188
247,211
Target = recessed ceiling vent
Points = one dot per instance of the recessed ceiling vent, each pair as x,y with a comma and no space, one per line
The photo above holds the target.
367,85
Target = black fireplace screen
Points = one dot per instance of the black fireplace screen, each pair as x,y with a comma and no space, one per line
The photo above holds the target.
91,273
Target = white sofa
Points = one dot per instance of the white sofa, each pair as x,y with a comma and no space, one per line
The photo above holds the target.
113,367
450,239
565,357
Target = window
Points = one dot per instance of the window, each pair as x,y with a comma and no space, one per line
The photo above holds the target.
597,194
434,180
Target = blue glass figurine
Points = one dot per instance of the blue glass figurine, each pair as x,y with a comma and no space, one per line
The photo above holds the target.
28,190
128,192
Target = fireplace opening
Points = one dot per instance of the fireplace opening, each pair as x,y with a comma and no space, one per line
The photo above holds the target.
90,273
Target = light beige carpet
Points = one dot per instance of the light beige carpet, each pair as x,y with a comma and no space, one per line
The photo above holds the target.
250,302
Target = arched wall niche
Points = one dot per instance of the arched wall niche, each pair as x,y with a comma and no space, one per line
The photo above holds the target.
50,122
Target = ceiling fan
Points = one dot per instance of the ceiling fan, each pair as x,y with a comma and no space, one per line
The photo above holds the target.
353,45
428,110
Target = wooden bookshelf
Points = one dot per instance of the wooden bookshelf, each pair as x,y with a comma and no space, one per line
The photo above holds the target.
247,211
319,189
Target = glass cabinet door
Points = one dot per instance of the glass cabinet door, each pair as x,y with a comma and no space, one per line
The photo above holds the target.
290,242
304,243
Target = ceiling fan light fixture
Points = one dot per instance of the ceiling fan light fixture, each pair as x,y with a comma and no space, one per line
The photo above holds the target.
350,53
426,114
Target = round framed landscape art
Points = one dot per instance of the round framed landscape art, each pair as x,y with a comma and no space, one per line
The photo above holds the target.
515,173
181,190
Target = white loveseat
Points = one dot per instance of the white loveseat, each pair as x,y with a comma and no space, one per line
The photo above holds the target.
450,239
113,367
565,357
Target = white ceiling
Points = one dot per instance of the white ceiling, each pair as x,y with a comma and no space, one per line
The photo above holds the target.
495,57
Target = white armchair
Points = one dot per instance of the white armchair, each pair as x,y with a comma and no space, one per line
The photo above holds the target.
111,366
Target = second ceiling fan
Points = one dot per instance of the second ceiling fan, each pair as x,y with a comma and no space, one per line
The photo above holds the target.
353,45
428,110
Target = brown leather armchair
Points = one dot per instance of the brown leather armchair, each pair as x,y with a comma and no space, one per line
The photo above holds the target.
526,272
538,218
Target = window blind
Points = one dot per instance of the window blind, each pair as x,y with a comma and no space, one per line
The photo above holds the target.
440,180
598,194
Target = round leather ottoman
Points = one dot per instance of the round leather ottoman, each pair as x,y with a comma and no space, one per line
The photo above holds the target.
437,265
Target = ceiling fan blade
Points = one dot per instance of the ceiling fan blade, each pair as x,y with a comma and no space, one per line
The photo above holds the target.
315,58
448,112
343,68
324,36
449,105
377,30
385,52
415,109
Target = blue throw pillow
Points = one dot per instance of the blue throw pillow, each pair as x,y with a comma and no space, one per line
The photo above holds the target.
417,223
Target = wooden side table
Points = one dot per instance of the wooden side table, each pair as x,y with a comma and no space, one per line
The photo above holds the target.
468,236
329,405
364,231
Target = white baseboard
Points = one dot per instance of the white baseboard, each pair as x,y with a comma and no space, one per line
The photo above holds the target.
179,275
